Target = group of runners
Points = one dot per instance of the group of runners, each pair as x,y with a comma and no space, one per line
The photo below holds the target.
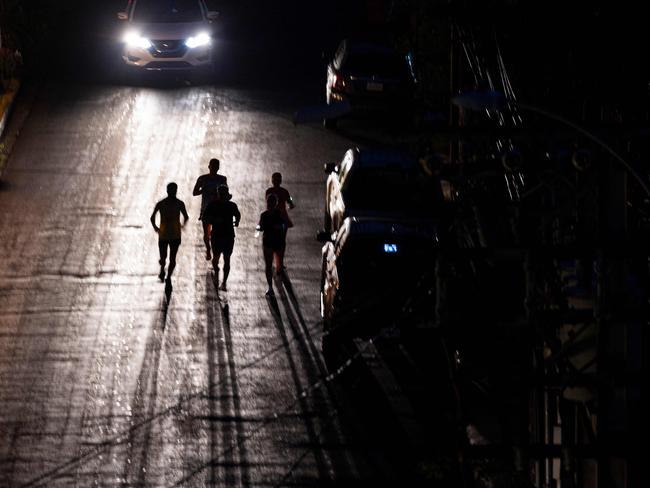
219,217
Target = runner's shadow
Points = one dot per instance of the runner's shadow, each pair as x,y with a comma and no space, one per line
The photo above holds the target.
144,401
313,361
298,323
166,300
239,439
291,295
306,406
228,453
345,396
275,308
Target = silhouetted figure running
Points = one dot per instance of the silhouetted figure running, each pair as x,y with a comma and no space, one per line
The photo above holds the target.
284,200
222,215
169,232
206,186
273,224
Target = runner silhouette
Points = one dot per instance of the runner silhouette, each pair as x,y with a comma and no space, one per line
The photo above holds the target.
222,215
169,232
206,186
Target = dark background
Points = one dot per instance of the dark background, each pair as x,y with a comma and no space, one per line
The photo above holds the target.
583,58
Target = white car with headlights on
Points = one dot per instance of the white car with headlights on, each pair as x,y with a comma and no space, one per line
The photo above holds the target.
167,35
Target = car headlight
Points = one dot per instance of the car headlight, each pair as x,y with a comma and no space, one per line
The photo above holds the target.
201,39
136,40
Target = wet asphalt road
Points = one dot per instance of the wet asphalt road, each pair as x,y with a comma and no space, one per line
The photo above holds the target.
106,379
104,382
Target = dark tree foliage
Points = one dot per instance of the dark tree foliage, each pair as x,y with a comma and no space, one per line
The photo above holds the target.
46,31
31,27
582,58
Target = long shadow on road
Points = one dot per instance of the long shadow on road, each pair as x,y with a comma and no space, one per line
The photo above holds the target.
320,431
144,401
223,396
138,436
228,464
300,385
361,404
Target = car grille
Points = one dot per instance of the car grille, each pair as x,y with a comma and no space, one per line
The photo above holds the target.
168,49
168,65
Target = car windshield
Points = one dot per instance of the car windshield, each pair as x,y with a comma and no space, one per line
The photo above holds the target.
163,11
393,190
378,64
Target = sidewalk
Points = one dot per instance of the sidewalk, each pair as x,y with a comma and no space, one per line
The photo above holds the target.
7,100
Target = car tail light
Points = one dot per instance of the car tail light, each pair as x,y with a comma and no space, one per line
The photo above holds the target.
339,82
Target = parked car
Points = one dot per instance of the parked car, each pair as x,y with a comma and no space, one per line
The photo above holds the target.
371,78
169,35
380,183
376,274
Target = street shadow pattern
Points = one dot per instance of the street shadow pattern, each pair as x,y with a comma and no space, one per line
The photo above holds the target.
320,429
223,395
229,460
143,406
362,408
138,437
229,463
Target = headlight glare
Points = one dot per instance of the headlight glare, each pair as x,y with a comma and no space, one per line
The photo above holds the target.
201,39
136,40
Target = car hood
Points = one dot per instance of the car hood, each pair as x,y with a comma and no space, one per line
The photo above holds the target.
169,30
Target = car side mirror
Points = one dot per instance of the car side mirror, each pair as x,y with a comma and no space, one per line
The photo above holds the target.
323,236
213,15
122,16
330,168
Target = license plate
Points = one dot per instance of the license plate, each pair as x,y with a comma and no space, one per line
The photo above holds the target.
374,86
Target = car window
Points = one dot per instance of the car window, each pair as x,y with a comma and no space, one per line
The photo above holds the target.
378,64
167,11
391,190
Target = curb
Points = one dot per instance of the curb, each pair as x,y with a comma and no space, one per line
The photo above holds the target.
7,100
